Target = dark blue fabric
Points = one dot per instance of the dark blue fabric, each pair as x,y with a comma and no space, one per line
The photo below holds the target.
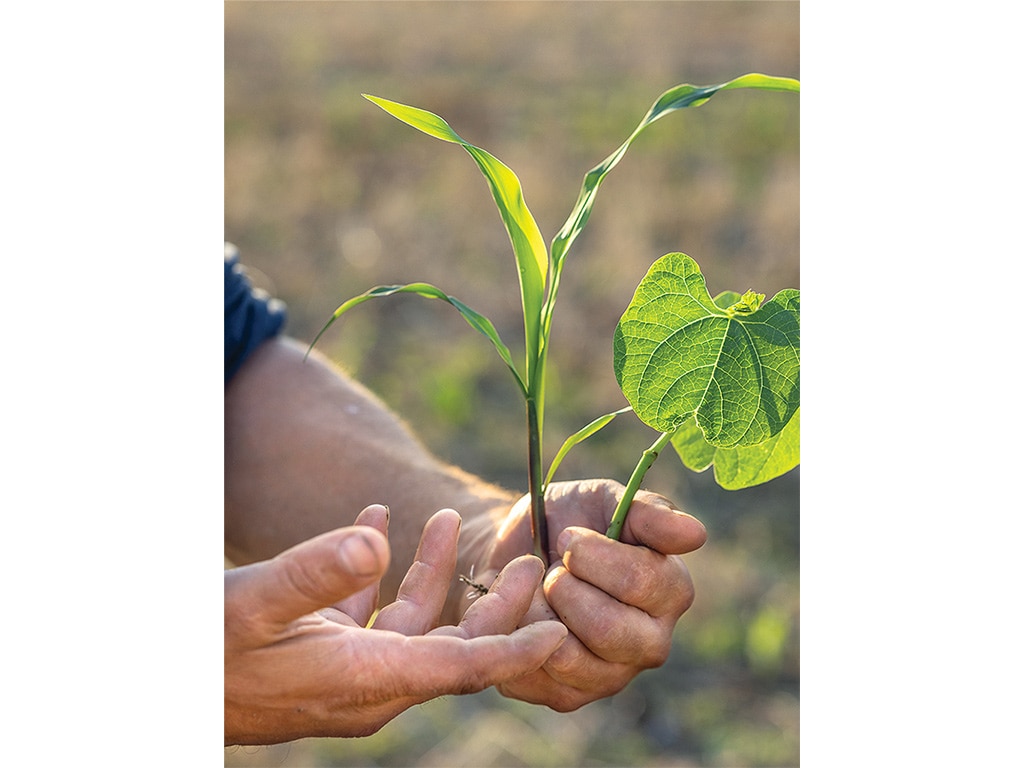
250,315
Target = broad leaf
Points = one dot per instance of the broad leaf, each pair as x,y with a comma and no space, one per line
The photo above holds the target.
743,467
527,242
672,100
474,318
679,354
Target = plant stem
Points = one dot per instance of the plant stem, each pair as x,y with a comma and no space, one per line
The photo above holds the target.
646,460
538,518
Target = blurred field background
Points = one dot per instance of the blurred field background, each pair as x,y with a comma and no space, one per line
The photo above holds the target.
326,196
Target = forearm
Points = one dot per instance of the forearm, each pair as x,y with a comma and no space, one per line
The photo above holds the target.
306,449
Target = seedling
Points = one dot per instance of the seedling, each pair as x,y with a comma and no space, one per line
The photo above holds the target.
477,588
718,378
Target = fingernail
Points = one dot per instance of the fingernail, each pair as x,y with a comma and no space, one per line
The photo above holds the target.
358,556
680,512
687,514
565,539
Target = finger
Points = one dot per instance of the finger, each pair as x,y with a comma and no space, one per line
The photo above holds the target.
537,609
612,631
571,677
358,608
502,609
657,584
655,522
406,671
312,575
438,664
421,598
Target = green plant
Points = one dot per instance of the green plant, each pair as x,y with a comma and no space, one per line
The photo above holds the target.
750,393
714,375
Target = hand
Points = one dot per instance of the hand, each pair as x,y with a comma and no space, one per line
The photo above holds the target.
620,600
300,661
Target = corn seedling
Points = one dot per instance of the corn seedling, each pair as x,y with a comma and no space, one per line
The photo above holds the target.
718,378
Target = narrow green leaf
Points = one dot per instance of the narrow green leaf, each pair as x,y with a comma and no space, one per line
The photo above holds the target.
474,318
595,426
742,467
679,97
527,242
677,353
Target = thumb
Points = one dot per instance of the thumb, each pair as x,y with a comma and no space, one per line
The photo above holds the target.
318,573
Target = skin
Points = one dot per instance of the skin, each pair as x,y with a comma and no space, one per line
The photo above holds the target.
306,448
285,653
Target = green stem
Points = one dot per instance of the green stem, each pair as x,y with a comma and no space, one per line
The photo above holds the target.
538,518
646,460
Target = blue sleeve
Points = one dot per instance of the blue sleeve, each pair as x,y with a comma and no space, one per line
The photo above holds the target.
250,315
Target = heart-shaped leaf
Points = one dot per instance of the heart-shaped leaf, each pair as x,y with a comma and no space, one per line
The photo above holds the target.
735,369
742,467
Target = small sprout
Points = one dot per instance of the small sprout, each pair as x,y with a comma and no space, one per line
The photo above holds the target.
748,304
478,589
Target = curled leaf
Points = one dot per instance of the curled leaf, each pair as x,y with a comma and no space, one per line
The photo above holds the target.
471,316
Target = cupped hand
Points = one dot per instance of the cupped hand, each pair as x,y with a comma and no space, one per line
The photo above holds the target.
300,660
620,600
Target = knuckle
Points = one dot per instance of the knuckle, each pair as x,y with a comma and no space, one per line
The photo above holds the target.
641,581
683,590
569,700
607,633
656,652
300,580
472,681
660,584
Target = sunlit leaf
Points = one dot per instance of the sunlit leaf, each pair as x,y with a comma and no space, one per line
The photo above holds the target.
678,354
679,97
742,467
527,242
474,318
573,440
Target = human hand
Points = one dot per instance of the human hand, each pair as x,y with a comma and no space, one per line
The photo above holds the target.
300,661
620,600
